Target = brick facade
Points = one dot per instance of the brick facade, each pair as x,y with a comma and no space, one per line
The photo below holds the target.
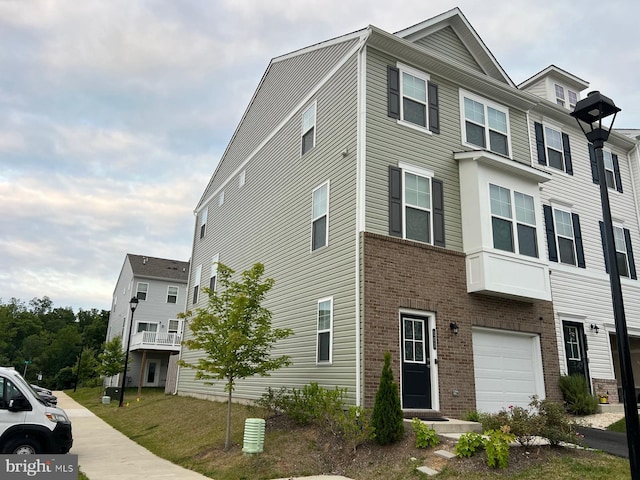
401,274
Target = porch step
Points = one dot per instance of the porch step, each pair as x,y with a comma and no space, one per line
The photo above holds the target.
610,408
451,425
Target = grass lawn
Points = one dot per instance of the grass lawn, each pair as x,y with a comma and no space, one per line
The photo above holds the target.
619,426
190,432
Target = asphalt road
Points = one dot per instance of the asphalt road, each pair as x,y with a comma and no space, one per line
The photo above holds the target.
614,443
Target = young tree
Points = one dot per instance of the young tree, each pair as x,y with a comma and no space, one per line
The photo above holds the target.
235,332
387,418
111,359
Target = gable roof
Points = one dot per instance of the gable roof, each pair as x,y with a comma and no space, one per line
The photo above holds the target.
159,268
456,20
567,78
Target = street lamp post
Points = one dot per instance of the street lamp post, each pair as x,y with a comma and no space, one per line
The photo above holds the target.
590,111
133,304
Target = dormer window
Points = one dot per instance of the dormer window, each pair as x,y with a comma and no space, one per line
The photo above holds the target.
562,100
560,95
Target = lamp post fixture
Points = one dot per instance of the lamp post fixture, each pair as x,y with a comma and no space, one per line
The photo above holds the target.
133,304
590,112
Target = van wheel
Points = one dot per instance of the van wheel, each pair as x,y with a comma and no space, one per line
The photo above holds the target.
24,446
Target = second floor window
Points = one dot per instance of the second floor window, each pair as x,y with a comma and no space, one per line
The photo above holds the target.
172,294
141,291
564,236
553,148
485,125
320,220
624,251
417,211
519,236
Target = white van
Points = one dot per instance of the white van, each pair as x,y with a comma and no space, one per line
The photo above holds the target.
28,425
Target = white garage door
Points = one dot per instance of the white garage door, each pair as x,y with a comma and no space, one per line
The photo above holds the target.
507,367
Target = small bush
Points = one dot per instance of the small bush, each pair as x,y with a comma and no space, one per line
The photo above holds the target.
497,447
425,437
273,401
387,420
524,423
354,426
468,444
576,395
314,404
472,416
555,425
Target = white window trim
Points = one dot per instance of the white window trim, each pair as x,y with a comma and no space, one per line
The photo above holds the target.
486,103
615,185
313,105
242,178
551,126
214,270
196,283
620,226
313,219
146,293
329,330
421,172
176,295
557,235
423,76
204,216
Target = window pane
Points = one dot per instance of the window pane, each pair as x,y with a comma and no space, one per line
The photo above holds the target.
323,346
525,211
611,181
414,112
608,159
324,315
502,234
320,201
475,135
414,87
212,283
500,201
307,141
559,91
417,328
408,329
499,143
564,225
419,354
497,120
418,225
473,111
553,137
408,350
622,264
566,250
527,240
618,236
417,192
555,159
308,118
319,233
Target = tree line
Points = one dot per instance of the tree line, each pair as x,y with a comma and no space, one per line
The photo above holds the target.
47,344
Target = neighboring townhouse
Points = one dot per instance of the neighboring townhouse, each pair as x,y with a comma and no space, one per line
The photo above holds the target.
387,183
573,221
160,287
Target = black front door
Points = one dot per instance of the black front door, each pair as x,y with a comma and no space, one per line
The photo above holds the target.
575,348
416,380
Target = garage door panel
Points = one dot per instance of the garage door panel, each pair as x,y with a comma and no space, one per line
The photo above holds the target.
507,369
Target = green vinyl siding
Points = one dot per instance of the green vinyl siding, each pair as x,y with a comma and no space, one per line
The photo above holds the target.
446,40
268,220
269,107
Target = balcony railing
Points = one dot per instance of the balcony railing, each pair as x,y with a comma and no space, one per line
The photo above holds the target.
156,341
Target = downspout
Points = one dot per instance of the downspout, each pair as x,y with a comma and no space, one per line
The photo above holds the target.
186,301
361,125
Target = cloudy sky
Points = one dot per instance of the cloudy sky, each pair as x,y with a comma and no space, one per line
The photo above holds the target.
114,113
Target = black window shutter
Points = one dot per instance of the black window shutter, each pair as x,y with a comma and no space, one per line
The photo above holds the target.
632,263
568,165
395,201
616,171
438,213
577,235
551,234
604,247
594,164
434,108
393,95
542,154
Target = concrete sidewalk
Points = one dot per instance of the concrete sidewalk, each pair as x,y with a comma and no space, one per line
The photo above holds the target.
106,454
